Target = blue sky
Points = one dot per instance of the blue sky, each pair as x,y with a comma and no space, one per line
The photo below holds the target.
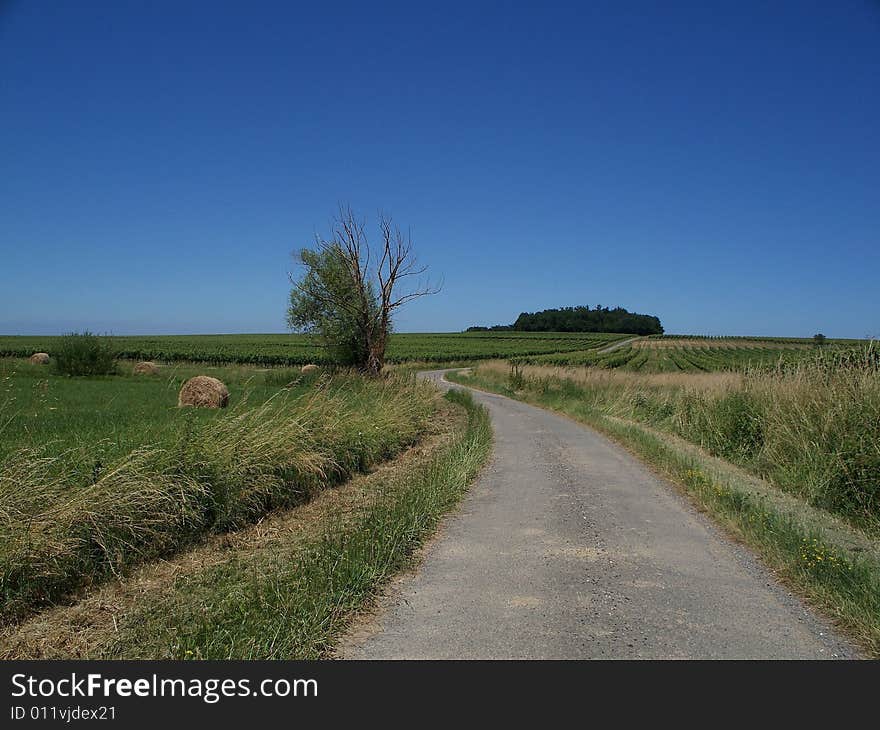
716,164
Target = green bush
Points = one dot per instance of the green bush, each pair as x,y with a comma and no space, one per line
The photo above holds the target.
515,377
83,354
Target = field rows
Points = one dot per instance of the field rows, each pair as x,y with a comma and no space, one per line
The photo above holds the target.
645,356
744,339
673,343
289,349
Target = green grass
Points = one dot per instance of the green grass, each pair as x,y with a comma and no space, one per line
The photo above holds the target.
834,564
292,593
293,602
98,475
113,415
289,349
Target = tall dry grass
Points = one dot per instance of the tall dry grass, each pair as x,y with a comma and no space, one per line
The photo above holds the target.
811,428
613,378
56,537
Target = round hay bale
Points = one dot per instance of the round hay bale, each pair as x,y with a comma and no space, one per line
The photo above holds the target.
310,368
146,368
203,391
40,358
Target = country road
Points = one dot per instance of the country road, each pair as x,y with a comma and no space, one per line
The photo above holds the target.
617,345
567,547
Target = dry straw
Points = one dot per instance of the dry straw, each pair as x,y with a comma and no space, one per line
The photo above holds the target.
147,367
203,391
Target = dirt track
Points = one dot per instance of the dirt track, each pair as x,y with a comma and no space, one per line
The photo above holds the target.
568,547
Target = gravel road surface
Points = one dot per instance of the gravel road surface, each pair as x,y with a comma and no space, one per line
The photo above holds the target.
567,547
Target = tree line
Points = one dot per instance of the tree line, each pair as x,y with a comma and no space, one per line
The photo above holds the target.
582,319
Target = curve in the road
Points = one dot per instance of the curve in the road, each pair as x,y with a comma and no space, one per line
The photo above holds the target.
620,343
568,547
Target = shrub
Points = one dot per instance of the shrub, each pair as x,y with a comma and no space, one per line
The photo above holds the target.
84,354
515,377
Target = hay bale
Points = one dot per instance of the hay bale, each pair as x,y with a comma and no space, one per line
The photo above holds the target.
310,368
40,358
147,367
203,391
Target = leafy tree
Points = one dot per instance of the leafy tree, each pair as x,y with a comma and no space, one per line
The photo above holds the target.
819,339
584,319
348,291
323,302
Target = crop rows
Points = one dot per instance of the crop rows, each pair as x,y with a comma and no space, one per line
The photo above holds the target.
675,359
290,349
732,339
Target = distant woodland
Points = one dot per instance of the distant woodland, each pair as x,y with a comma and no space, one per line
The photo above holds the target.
581,319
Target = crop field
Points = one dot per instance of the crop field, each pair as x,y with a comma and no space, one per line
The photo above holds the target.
290,349
688,354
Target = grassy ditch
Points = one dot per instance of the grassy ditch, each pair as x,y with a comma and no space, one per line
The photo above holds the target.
286,588
74,513
830,554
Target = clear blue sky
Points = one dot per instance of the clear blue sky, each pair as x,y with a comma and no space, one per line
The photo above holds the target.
716,164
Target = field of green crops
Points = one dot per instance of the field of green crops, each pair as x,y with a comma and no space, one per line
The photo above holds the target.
289,349
688,354
668,353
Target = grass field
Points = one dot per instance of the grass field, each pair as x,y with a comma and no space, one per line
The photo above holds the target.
99,474
289,349
112,415
285,588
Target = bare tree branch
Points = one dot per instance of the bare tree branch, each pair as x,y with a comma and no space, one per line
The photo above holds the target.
365,296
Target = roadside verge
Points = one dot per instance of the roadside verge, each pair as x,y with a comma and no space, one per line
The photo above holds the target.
285,588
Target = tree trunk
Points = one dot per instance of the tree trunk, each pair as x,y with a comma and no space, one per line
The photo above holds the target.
375,360
376,349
